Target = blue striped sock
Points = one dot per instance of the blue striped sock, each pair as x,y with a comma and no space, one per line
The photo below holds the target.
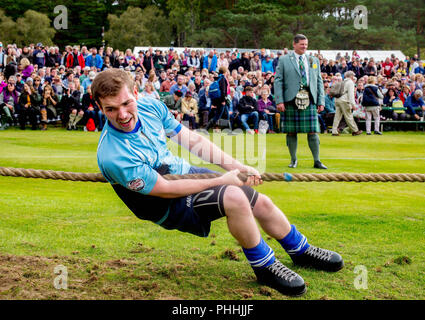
260,256
294,243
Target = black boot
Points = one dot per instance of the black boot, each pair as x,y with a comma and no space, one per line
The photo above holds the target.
320,259
281,278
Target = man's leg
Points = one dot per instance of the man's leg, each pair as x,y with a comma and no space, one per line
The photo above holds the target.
337,119
292,143
244,119
255,118
243,227
348,116
314,145
273,221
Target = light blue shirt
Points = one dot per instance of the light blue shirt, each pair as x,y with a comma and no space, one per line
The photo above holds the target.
130,159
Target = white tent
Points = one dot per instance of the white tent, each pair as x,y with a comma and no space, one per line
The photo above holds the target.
378,55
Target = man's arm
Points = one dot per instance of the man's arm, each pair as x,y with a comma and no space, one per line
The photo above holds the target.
320,89
278,85
206,150
180,188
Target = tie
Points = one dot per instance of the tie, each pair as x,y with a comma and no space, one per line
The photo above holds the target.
303,73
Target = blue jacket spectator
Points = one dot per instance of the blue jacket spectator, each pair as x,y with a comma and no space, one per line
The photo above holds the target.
329,104
420,70
267,65
414,101
211,61
94,60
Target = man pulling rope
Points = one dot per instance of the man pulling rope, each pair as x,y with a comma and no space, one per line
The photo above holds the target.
133,155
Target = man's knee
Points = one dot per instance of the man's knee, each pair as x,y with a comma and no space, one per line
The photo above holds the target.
263,206
235,201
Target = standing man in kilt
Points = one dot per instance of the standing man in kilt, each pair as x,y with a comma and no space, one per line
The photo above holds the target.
299,94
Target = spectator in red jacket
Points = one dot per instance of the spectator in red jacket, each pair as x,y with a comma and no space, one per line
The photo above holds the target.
75,59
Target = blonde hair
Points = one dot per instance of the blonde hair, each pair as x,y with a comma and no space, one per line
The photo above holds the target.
371,80
25,62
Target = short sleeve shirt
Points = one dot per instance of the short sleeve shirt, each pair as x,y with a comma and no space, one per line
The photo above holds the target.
131,159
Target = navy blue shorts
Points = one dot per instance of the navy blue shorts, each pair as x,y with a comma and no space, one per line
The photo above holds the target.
194,213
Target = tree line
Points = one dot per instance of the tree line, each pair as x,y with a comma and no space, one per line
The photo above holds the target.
391,24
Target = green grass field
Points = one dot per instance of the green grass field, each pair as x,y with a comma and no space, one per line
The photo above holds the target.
110,254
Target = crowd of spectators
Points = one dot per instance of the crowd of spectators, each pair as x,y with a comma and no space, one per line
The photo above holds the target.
41,85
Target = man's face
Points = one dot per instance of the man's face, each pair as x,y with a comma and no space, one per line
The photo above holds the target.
301,46
121,110
180,80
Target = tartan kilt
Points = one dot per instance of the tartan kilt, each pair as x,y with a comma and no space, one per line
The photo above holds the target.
300,121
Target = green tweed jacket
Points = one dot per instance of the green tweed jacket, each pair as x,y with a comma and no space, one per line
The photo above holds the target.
287,80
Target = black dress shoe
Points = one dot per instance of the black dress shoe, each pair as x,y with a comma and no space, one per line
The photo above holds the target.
319,165
293,164
320,259
281,278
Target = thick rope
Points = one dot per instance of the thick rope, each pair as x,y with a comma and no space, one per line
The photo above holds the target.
289,177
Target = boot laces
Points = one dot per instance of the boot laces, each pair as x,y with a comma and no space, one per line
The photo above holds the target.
281,271
319,253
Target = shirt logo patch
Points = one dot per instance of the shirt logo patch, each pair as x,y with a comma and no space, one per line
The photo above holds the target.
136,184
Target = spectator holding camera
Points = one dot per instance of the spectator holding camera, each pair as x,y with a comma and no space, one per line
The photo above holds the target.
71,105
48,106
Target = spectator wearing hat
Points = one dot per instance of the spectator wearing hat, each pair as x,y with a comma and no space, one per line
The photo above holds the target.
39,55
88,81
85,74
159,62
193,61
189,107
121,63
413,102
19,82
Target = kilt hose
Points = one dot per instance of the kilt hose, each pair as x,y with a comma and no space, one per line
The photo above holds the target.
300,121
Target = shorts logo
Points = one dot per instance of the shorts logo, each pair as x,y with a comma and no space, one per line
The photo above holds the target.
136,184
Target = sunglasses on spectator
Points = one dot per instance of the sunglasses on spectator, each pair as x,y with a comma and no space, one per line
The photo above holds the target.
11,83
